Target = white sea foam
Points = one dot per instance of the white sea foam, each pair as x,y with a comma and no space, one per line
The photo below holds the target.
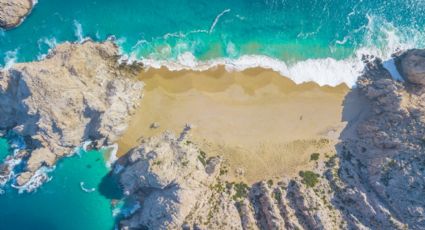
326,71
17,143
10,58
381,39
88,190
50,42
85,145
11,162
39,178
217,19
112,150
78,32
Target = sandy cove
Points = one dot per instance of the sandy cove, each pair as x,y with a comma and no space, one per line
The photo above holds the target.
263,124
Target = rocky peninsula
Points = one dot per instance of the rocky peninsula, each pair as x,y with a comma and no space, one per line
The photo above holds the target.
375,181
13,12
77,93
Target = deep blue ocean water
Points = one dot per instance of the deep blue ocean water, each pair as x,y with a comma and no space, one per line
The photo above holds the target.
306,40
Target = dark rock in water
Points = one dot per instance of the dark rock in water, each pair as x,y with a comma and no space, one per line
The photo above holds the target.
411,65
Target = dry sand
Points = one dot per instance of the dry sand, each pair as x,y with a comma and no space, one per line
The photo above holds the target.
263,124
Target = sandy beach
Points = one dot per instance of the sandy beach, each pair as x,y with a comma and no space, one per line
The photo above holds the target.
262,124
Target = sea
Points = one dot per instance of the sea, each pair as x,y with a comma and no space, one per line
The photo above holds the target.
305,40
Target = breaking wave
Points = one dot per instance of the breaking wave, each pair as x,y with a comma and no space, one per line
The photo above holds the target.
111,152
380,38
10,59
39,178
178,51
327,71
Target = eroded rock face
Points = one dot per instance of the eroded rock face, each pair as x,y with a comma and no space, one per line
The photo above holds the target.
410,64
383,165
79,92
376,180
176,188
170,182
12,12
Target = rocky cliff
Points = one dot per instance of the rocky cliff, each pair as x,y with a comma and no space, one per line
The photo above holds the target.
375,181
13,12
78,93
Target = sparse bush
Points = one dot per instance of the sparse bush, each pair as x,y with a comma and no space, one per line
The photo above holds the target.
202,157
277,195
241,190
314,156
270,183
156,162
185,163
309,178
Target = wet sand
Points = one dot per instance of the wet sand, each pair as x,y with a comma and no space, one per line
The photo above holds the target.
263,124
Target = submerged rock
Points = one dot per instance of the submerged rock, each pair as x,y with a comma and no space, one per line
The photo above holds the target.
13,12
79,92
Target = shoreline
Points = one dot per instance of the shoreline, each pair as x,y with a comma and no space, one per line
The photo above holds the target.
326,71
254,118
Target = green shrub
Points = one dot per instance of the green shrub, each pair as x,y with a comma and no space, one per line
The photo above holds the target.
309,178
202,157
241,190
314,156
270,183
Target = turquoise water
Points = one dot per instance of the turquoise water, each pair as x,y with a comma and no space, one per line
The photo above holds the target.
4,148
306,40
61,203
291,31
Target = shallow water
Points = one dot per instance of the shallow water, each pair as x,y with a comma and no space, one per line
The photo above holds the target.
306,40
4,148
333,34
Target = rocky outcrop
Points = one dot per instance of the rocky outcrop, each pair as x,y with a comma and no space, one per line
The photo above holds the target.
410,64
13,12
382,165
176,187
78,93
375,181
169,179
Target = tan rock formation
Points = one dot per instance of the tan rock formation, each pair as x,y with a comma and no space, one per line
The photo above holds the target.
376,180
410,64
79,92
13,12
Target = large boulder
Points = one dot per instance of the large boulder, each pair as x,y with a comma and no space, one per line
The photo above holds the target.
411,64
12,12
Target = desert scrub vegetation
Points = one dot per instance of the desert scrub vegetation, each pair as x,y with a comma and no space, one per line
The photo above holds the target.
241,190
309,178
314,156
202,157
